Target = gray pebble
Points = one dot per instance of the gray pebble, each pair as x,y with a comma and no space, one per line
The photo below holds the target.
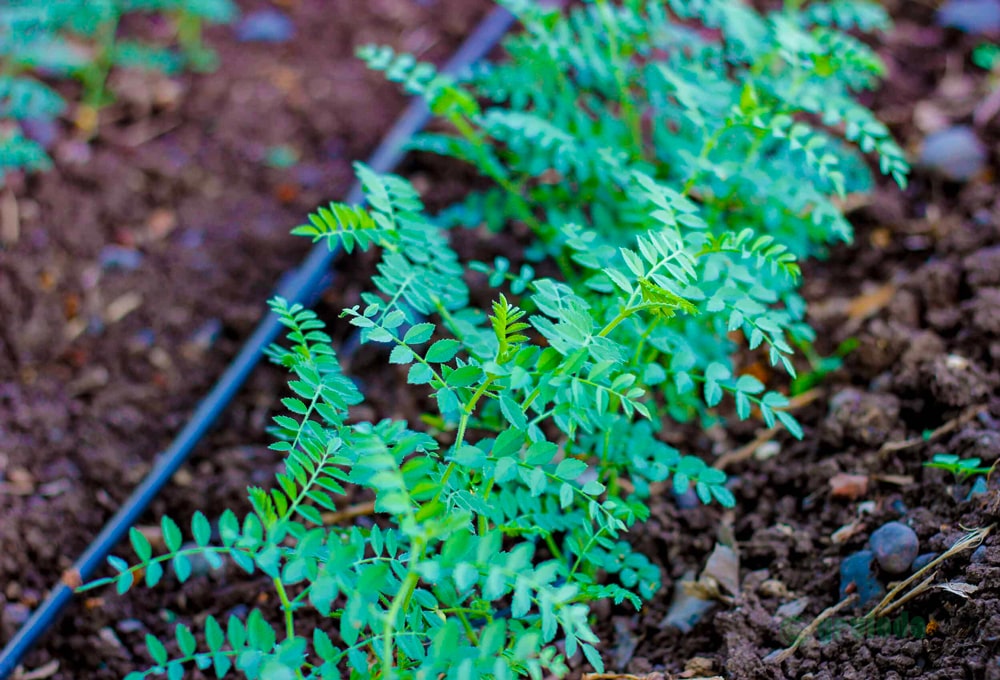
41,130
857,569
15,614
118,257
127,626
979,488
955,153
922,561
895,546
267,25
972,16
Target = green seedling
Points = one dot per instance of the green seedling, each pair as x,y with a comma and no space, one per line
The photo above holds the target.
820,366
986,56
960,468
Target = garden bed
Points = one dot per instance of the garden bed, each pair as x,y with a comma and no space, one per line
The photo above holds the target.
136,273
137,269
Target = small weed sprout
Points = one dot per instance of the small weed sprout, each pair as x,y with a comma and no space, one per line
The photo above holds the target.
960,468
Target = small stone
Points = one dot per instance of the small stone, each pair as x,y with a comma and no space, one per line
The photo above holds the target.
856,570
203,338
848,486
15,614
955,153
687,500
793,609
199,565
119,257
972,16
978,555
267,25
127,626
895,546
922,561
686,610
41,130
979,488
73,152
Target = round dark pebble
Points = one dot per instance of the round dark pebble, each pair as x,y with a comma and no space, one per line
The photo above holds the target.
895,546
922,561
857,570
267,25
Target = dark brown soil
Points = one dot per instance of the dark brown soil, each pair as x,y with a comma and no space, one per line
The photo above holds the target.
88,397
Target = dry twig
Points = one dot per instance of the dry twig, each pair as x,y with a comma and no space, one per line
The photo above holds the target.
921,587
350,512
970,540
778,657
747,450
953,424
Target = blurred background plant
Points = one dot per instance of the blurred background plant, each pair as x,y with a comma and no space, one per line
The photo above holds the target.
45,41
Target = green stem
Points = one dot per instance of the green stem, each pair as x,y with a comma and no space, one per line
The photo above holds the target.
463,424
403,596
516,192
642,341
622,315
706,150
469,631
95,77
286,606
629,111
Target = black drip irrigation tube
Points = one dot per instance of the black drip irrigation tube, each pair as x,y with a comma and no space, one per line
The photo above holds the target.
302,285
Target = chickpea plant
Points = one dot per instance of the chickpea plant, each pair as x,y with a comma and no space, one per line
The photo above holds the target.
673,161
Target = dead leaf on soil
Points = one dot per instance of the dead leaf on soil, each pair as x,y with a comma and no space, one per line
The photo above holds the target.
959,588
870,303
686,609
626,641
40,673
723,567
698,667
844,533
972,539
898,480
122,306
793,609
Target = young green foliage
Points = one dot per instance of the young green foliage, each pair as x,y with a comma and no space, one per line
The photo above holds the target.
674,161
730,133
960,468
